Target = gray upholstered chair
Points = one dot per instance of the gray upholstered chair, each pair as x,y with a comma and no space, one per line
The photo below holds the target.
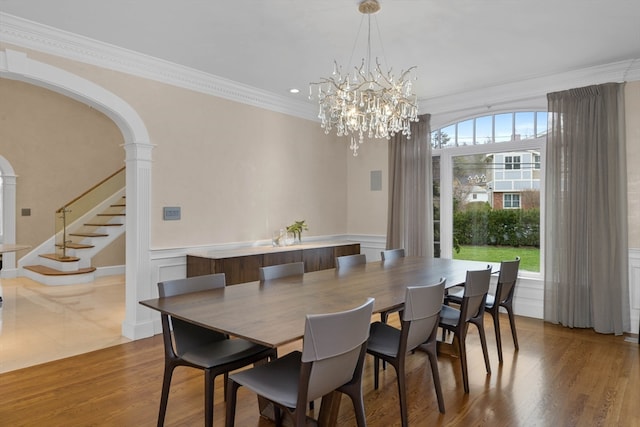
332,358
507,278
281,270
350,260
471,310
197,347
419,329
387,256
391,254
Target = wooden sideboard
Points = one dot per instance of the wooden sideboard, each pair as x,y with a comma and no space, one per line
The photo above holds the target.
242,265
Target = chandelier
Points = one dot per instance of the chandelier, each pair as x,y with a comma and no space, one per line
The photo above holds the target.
365,101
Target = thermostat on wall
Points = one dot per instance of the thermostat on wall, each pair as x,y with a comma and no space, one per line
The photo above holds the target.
171,213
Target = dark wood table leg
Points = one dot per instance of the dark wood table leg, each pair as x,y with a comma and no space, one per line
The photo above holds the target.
329,408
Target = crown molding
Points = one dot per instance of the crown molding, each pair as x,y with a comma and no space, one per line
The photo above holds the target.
530,92
31,35
526,93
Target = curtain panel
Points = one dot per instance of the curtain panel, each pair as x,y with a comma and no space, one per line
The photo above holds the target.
410,211
586,250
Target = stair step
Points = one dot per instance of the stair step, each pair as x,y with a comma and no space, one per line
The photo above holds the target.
94,224
59,258
110,214
89,234
119,205
71,245
47,271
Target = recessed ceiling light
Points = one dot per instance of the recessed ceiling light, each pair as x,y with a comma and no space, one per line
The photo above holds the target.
294,90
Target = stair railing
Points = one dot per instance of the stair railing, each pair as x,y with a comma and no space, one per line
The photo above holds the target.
85,202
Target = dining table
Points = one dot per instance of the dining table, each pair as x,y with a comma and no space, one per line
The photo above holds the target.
272,312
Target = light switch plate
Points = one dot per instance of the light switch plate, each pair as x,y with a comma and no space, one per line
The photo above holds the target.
376,180
171,213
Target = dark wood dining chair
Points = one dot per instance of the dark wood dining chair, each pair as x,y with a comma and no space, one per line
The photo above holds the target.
471,311
505,288
419,329
281,270
350,260
197,347
332,359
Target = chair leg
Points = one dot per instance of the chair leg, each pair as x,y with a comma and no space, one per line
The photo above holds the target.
512,322
208,397
354,391
402,391
376,368
483,342
232,392
384,317
301,417
495,314
431,350
463,362
226,380
164,395
277,415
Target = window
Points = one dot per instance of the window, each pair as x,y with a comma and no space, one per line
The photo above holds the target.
536,161
512,162
511,201
488,187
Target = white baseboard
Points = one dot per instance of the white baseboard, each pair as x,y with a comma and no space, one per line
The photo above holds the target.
114,270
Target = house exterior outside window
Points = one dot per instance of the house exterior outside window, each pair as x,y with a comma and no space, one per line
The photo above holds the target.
512,162
511,201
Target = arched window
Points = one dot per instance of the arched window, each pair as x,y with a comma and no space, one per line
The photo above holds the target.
488,180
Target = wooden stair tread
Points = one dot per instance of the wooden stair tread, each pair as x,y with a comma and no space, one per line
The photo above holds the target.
88,234
59,258
47,271
90,224
118,205
77,246
111,214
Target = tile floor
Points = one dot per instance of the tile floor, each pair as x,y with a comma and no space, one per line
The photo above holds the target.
40,323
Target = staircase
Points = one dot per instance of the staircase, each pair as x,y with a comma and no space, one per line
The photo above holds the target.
95,221
74,265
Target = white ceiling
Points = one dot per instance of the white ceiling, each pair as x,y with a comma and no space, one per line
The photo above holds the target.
457,45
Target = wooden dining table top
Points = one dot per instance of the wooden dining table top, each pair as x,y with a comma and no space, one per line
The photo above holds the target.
272,313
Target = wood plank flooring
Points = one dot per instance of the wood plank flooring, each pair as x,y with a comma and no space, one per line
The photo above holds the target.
560,377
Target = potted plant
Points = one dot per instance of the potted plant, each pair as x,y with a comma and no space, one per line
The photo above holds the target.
297,228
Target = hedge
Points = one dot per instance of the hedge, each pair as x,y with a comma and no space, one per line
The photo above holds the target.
503,227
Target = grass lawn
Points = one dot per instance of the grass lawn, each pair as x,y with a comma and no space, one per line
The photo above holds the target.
529,257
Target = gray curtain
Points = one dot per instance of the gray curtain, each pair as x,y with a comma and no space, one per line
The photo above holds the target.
586,250
410,212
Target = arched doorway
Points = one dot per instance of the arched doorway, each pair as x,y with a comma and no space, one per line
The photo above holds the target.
18,66
7,212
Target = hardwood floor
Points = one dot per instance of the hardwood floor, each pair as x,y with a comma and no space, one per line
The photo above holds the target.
560,377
